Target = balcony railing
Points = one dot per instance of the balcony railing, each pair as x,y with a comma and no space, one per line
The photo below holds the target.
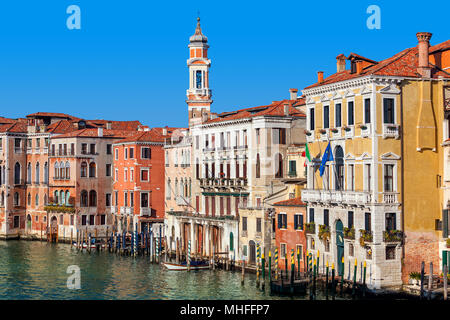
337,196
393,236
391,130
349,131
365,129
390,197
145,211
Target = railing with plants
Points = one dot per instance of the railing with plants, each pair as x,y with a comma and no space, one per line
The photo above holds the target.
310,227
365,236
324,232
349,233
393,236
59,208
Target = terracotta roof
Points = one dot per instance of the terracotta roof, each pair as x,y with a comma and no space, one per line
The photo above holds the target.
357,56
152,135
115,125
93,133
295,202
18,126
52,114
276,108
61,126
7,120
402,64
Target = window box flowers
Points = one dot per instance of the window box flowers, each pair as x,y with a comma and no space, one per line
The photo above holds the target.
365,236
310,227
323,131
308,133
347,128
334,130
349,233
393,236
324,232
363,126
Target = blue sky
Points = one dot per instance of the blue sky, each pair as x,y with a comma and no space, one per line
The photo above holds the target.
128,61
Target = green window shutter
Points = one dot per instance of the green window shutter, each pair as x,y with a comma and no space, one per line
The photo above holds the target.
295,222
444,259
445,223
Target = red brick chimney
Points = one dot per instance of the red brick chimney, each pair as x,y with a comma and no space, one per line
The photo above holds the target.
293,94
340,62
319,76
423,46
359,66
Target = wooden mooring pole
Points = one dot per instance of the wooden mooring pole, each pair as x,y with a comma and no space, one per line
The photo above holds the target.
430,281
445,272
422,276
354,279
333,283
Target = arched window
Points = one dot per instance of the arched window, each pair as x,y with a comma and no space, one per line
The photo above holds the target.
17,173
176,187
92,170
92,198
278,166
46,173
29,173
67,197
56,200
62,197
16,199
56,170
61,170
84,198
36,200
84,169
29,199
258,166
339,159
38,173
67,170
45,199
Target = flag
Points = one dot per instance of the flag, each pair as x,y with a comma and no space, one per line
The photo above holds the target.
327,156
308,156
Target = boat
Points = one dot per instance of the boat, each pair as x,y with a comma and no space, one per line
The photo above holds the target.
195,265
84,245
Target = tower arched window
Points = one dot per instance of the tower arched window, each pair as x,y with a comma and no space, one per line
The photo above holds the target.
92,198
29,173
84,169
84,198
67,170
38,173
17,173
56,200
56,170
198,79
92,168
61,170
67,197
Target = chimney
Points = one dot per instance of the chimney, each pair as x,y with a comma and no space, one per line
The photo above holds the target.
340,62
164,131
319,76
293,93
100,132
423,46
359,66
286,109
108,125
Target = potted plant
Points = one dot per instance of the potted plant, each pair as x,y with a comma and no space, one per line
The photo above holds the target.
393,236
324,232
308,133
310,227
364,237
349,233
323,131
414,278
334,130
363,126
347,128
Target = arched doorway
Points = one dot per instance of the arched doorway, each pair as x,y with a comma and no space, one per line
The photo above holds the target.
252,253
28,223
53,229
340,246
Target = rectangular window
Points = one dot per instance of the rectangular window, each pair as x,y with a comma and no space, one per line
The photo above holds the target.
351,177
116,153
221,205
145,153
16,221
299,251
298,222
125,174
258,135
72,149
326,117
282,250
282,221
368,176
116,177
126,153
92,220
109,149
311,214
144,200
311,119
125,198
337,115
83,220
244,223
92,148
131,174
350,115
367,221
388,177
292,168
131,153
326,217
108,169
390,252
390,221
388,110
350,220
108,200
116,198
102,219
144,175
258,224
71,219
367,110
131,199
213,206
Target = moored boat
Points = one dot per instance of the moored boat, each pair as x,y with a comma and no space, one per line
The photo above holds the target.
195,265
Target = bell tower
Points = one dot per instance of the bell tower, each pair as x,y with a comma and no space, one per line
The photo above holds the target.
198,95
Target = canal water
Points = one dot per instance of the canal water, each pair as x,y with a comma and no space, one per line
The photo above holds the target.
38,270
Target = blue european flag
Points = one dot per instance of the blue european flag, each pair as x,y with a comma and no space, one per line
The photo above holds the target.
327,156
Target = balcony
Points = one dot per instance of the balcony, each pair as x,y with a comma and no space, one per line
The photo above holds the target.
391,130
114,210
365,129
349,132
145,211
309,135
183,201
336,133
390,197
393,236
324,134
337,196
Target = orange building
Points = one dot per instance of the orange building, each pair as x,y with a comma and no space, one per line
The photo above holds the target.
290,230
138,187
